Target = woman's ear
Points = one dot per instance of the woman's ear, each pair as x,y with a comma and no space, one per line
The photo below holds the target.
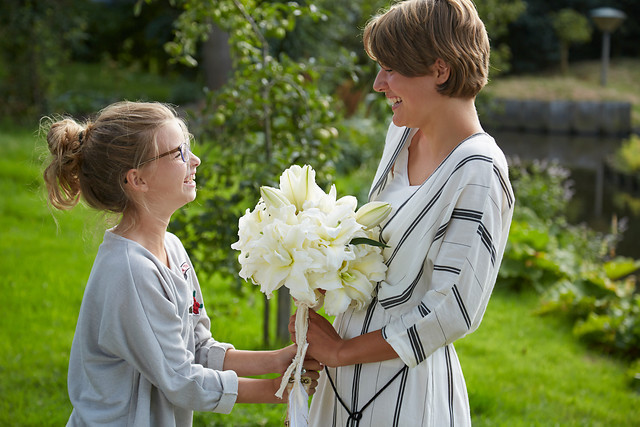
135,181
442,71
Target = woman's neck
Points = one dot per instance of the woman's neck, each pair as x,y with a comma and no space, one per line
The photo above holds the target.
433,142
456,121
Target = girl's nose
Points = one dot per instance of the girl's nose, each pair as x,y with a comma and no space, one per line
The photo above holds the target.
194,160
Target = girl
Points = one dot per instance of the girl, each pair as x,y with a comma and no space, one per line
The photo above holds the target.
143,353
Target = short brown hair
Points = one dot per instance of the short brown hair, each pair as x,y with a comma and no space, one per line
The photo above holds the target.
91,159
412,34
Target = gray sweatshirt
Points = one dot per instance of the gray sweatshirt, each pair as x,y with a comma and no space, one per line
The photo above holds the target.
142,354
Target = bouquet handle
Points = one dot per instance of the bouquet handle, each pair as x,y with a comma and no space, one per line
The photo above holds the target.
297,408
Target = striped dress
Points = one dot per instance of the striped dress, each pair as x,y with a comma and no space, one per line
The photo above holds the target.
445,243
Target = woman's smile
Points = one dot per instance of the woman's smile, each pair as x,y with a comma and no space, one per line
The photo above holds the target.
394,102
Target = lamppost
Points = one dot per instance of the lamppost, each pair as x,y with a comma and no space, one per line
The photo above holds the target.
607,20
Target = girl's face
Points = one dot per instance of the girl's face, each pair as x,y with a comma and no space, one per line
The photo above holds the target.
414,100
171,180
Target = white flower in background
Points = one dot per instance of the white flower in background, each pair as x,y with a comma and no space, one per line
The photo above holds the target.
300,237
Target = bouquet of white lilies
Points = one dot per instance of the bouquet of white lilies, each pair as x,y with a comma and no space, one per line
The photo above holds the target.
319,247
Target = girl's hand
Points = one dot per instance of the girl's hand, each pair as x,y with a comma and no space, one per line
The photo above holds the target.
285,356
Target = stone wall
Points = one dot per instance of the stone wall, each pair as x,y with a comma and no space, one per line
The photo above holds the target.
560,117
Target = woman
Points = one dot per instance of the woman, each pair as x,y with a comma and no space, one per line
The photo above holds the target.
143,353
393,363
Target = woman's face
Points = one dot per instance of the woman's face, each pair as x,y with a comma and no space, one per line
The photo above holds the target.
414,100
171,180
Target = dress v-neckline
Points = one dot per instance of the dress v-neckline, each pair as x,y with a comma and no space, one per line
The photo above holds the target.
402,159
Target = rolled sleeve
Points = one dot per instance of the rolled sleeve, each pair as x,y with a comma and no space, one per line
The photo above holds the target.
214,355
229,381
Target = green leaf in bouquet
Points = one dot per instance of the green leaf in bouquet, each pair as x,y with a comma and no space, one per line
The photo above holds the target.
367,241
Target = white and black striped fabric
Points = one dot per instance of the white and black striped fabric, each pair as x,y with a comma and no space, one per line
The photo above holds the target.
445,241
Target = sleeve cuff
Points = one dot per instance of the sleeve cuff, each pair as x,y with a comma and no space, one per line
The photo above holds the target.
399,345
229,381
216,354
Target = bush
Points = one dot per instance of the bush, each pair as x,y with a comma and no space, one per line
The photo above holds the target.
571,266
626,159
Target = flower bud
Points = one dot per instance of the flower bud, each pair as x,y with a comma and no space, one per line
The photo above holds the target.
372,214
273,197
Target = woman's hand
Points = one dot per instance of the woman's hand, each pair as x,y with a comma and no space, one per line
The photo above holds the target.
258,390
328,348
309,381
324,342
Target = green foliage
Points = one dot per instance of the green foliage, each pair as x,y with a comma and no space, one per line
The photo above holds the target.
633,375
96,85
625,166
626,158
570,27
38,39
606,311
497,15
30,53
569,265
271,114
542,244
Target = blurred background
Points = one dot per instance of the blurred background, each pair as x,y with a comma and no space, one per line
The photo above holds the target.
265,84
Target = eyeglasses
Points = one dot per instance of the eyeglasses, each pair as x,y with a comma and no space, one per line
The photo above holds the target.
184,149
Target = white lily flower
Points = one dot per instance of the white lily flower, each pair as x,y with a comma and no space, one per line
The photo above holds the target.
358,287
299,185
274,197
372,214
299,237
336,301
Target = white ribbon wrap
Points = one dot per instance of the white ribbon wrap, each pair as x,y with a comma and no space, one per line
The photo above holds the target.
298,407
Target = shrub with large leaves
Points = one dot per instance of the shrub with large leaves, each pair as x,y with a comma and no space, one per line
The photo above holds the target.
573,267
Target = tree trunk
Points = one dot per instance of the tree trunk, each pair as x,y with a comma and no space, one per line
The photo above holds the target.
284,313
265,322
564,58
216,59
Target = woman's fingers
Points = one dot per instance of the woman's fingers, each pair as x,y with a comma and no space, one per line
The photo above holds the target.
292,327
312,365
309,381
312,387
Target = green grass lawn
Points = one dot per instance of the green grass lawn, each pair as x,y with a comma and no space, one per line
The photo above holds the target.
521,369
